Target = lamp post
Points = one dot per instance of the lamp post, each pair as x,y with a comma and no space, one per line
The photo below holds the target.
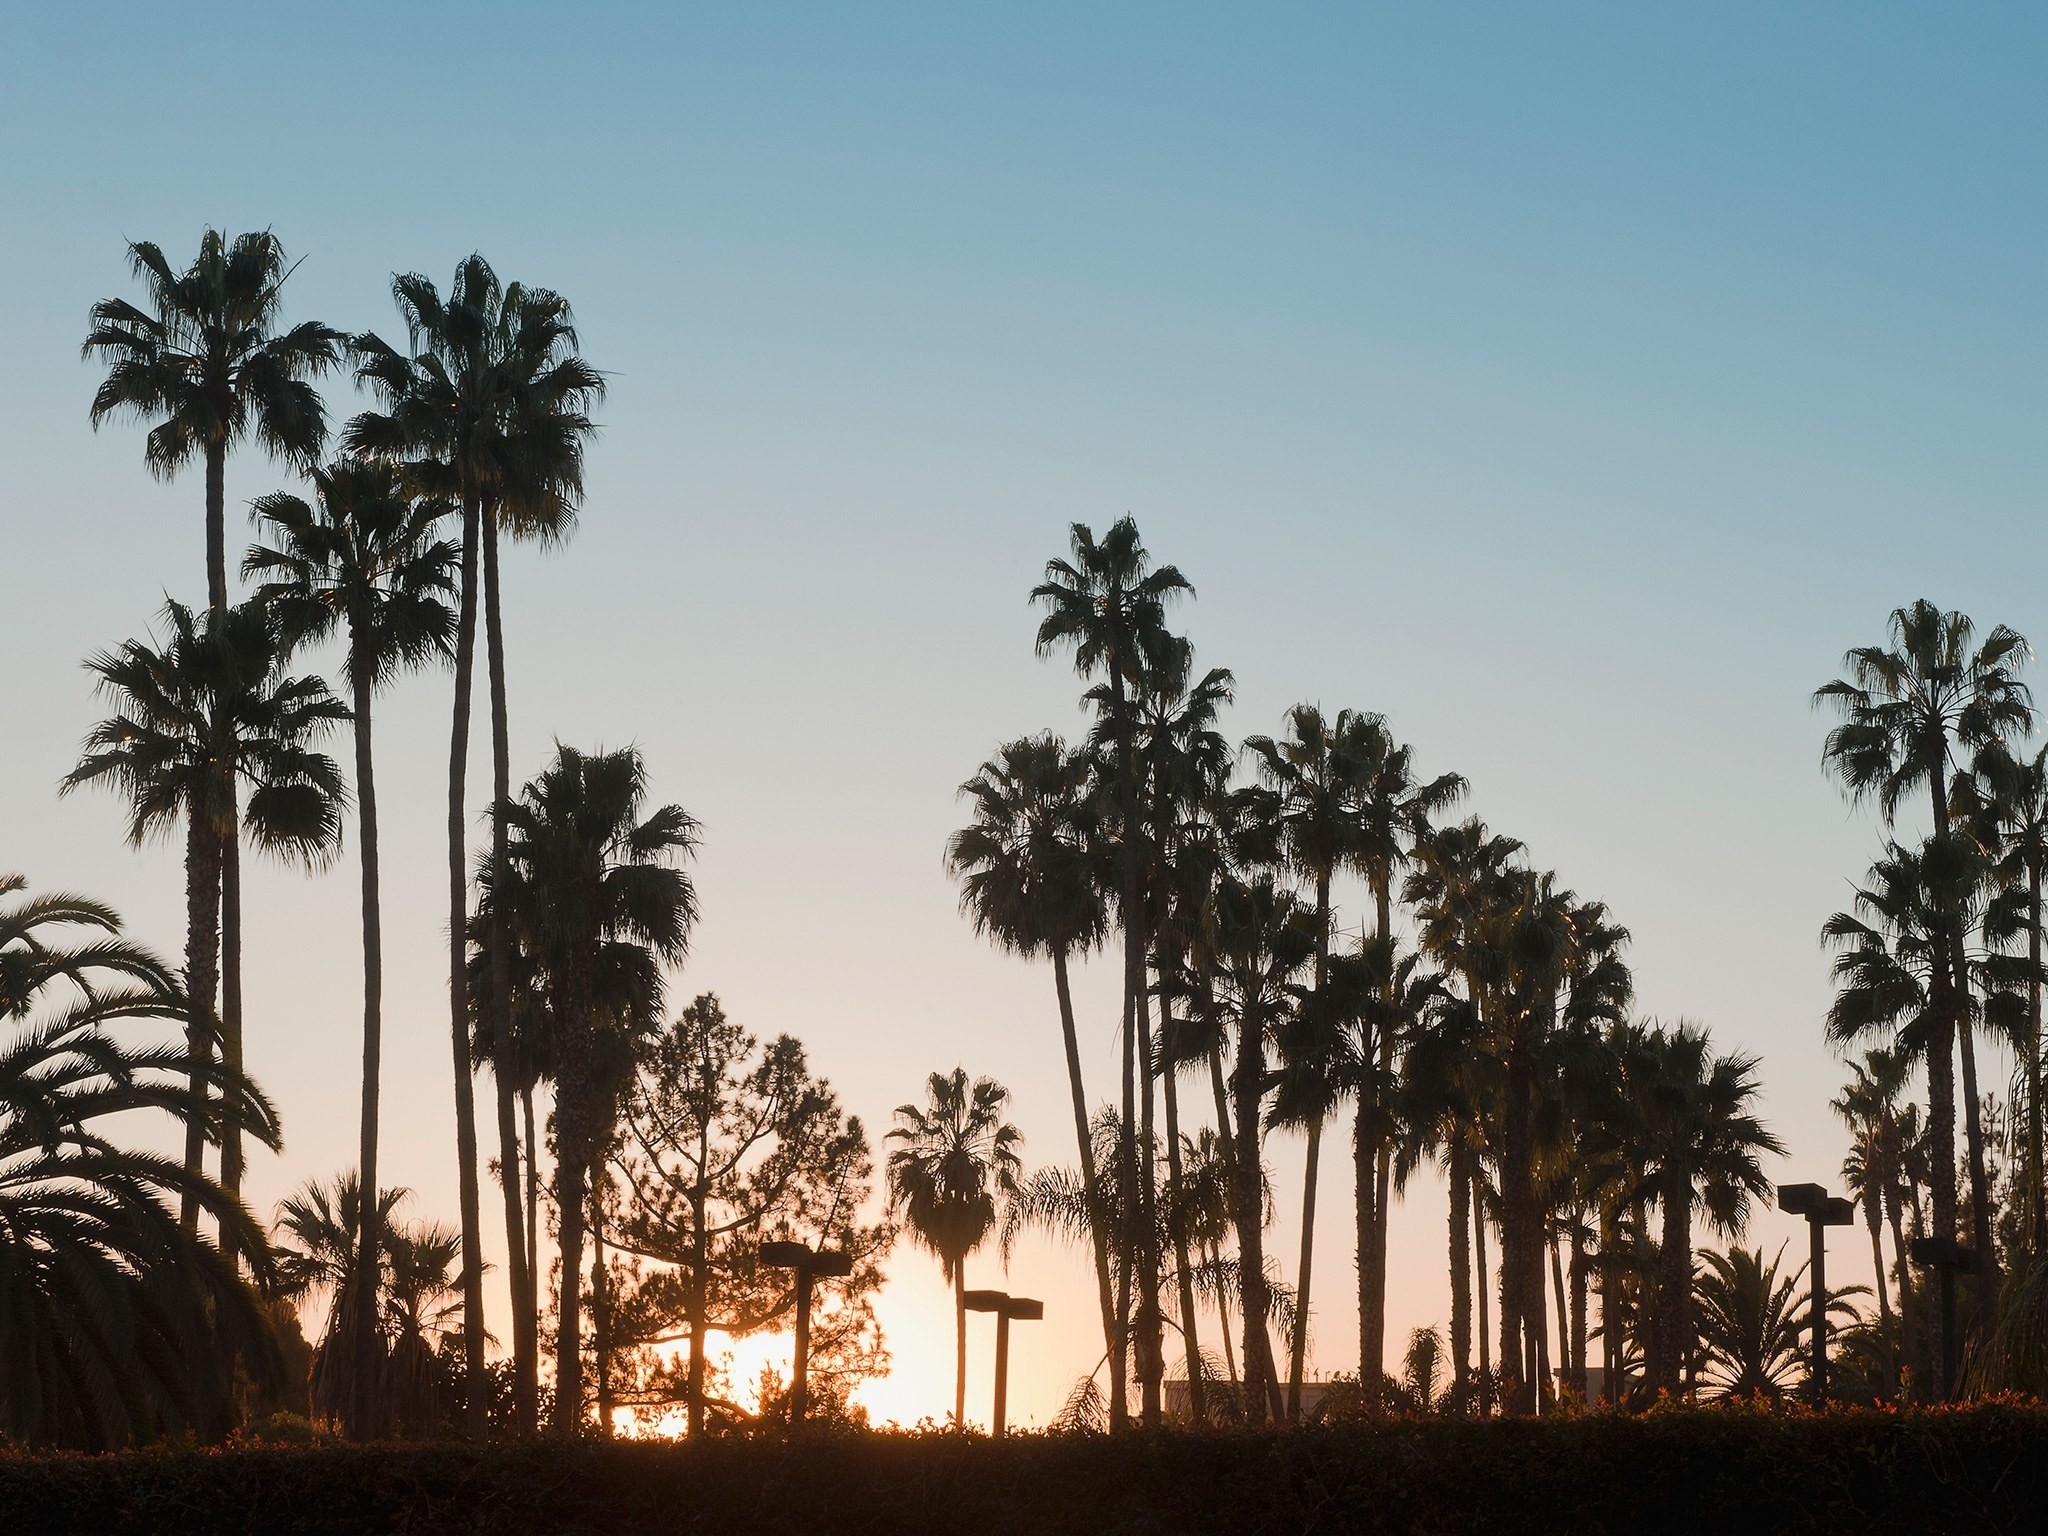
1005,1306
1821,1211
1947,1258
809,1264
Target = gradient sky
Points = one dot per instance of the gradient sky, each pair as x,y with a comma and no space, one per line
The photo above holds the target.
1572,384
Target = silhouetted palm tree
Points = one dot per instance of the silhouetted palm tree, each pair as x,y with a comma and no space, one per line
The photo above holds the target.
1028,878
1907,712
597,878
1697,1145
212,706
2018,806
1753,1322
121,1320
362,558
1109,604
206,358
479,371
954,1165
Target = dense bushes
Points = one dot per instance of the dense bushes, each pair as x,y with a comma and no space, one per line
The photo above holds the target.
1979,1468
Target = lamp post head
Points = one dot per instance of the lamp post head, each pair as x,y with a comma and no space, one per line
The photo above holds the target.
832,1263
984,1301
1024,1309
784,1255
1837,1212
1801,1199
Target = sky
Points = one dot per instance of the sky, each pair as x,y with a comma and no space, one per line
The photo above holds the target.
1571,384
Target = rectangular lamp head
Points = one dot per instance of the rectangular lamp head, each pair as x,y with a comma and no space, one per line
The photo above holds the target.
1800,1199
785,1255
984,1301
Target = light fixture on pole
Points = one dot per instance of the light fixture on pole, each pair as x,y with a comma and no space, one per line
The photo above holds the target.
1005,1306
809,1264
1821,1211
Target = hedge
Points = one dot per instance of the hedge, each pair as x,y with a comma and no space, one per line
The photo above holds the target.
1982,1468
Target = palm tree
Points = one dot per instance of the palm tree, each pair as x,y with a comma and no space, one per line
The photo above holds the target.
1867,1106
1395,810
2018,798
1109,604
362,558
1753,1321
1027,878
320,1259
1260,936
209,707
1308,821
595,871
1906,712
483,407
954,1166
1698,1146
208,359
121,1318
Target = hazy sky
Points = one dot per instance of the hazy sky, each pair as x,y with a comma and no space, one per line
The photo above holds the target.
1572,384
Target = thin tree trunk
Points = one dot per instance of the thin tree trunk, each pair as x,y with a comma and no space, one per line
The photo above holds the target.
1198,1397
216,525
233,1056
532,1184
1461,1279
1564,1325
1091,1183
1905,1348
202,974
1248,1208
1674,1305
1578,1277
1479,1290
1215,1262
525,1294
700,1273
458,986
2037,1178
1297,1350
1373,1265
1362,1189
1980,1183
1151,1341
574,1134
364,1344
1610,1304
959,1344
1127,1179
600,1318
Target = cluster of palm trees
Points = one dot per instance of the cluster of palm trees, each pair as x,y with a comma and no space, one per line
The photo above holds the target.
1479,1016
477,435
1939,954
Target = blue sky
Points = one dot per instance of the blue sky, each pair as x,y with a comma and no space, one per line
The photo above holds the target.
1572,384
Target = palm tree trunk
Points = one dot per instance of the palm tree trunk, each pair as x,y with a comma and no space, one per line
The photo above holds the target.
1215,1262
202,974
458,984
1362,1190
1578,1277
1610,1303
1198,1397
1674,1305
1372,1269
1461,1279
1136,1033
1980,1183
1248,1211
532,1184
364,1342
600,1320
1905,1348
1563,1304
525,1299
1297,1349
216,524
233,1057
959,1344
574,1134
1127,1180
1873,1218
1091,1183
1151,1340
1479,1290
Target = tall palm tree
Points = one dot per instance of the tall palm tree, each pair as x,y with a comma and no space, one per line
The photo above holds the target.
1866,1106
1310,822
1699,1145
597,870
1260,936
209,707
1907,711
1109,604
208,359
121,1319
320,1261
457,406
1026,867
362,558
954,1165
2018,803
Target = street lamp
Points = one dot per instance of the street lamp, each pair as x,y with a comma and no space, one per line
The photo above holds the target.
1005,1306
809,1265
1821,1211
